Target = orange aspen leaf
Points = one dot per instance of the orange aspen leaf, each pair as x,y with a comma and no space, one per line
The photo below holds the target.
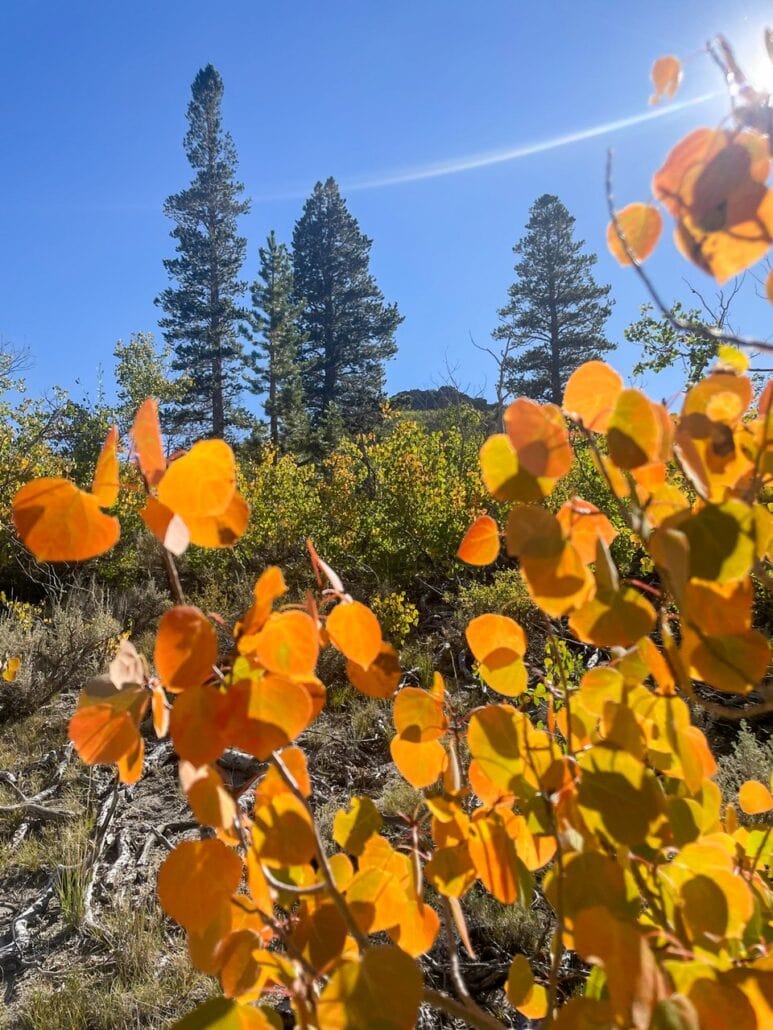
199,724
641,226
146,437
539,437
282,834
635,431
498,643
58,522
160,708
666,74
196,880
186,648
269,587
418,716
420,762
591,394
201,482
494,857
166,526
754,798
105,726
105,485
355,631
288,644
223,529
382,677
210,802
529,998
617,618
583,524
480,545
267,713
505,478
417,929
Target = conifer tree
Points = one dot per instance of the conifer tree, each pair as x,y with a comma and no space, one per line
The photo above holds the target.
202,309
348,328
554,319
271,326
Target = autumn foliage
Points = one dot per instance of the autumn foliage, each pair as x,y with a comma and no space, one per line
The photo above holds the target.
607,805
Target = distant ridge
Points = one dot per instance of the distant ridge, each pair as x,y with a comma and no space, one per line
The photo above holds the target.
435,400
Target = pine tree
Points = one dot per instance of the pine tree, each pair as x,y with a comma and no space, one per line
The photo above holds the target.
272,329
554,320
202,310
348,328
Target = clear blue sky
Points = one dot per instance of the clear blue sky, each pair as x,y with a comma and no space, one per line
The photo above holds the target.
92,109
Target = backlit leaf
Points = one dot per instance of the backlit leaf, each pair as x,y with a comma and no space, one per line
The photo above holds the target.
186,648
381,678
267,713
480,545
591,395
754,798
288,644
146,437
200,483
421,763
166,526
352,828
105,485
504,477
666,74
226,1014
583,524
641,226
539,437
58,522
523,994
635,432
196,879
386,982
355,631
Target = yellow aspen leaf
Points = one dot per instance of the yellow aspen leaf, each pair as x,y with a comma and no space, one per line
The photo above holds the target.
382,677
196,880
355,631
557,583
613,618
166,526
282,834
105,485
186,648
421,763
210,802
11,668
450,870
619,796
418,716
583,524
722,541
58,522
533,532
505,478
635,983
731,359
375,899
480,545
267,713
385,981
496,737
538,435
641,226
499,643
227,1014
666,74
352,828
721,396
529,998
591,394
320,935
754,798
635,431
719,608
146,438
288,644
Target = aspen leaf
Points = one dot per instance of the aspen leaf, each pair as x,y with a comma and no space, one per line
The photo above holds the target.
754,798
619,795
533,532
721,396
641,226
480,545
104,729
11,668
272,783
529,998
197,879
375,899
382,677
58,522
282,833
733,662
591,394
539,437
417,929
199,724
223,529
499,643
450,870
634,982
583,524
352,828
320,935
243,972
200,483
129,765
267,713
210,802
269,587
226,1014
634,434
288,644
355,631
495,737
722,541
166,526
666,74
186,648
386,982
557,583
494,857
105,485
146,437
421,763
613,619
504,477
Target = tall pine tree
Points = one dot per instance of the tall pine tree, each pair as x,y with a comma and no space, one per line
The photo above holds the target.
554,320
202,309
272,329
349,329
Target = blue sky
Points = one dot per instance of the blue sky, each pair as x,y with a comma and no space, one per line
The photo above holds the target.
92,108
